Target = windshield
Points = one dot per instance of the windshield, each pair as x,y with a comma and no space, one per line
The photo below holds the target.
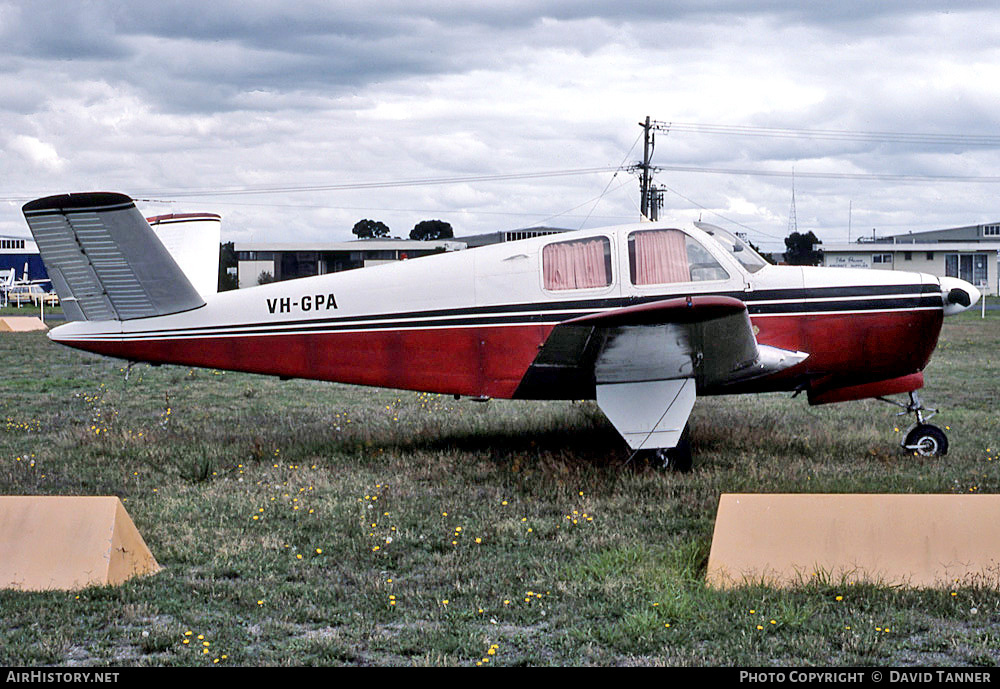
736,247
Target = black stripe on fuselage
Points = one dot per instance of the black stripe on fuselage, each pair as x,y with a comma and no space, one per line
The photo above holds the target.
760,303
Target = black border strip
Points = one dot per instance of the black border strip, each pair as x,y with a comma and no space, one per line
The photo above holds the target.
313,327
556,312
88,202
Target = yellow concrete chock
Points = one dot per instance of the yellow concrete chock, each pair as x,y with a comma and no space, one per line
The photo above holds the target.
68,543
19,324
922,541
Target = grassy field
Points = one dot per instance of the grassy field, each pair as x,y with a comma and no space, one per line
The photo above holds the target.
305,523
32,310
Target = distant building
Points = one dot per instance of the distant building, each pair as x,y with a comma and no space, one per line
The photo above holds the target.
289,261
21,255
475,240
971,253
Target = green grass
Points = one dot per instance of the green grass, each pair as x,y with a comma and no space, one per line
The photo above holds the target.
374,507
29,309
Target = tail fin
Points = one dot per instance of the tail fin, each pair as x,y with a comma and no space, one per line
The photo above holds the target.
104,260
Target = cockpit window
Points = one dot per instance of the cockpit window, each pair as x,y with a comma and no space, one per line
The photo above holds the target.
658,257
736,247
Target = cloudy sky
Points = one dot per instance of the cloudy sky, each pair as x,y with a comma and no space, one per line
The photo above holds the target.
293,120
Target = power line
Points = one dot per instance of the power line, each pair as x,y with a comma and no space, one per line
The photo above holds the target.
451,211
621,166
980,140
580,205
720,215
348,186
869,176
354,186
247,191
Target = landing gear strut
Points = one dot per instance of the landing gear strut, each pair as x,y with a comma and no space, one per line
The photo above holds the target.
921,438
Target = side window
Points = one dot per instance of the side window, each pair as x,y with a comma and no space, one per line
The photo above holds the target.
658,257
580,264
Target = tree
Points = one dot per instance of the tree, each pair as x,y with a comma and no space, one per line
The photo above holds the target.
431,229
767,257
369,229
800,249
227,260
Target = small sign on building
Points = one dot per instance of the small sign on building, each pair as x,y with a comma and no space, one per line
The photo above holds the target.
848,261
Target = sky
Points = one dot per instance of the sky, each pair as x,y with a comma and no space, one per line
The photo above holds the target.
294,120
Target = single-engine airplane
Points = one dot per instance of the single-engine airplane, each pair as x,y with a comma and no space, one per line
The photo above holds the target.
643,318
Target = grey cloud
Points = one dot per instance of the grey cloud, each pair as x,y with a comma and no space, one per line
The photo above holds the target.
233,93
195,56
60,31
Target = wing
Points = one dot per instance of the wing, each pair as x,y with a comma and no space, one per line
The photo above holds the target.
104,260
646,363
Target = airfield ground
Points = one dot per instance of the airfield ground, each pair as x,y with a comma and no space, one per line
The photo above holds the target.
305,523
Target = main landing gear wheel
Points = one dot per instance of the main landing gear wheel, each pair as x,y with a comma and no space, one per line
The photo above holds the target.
921,438
927,441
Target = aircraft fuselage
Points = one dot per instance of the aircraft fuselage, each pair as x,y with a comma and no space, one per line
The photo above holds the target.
473,322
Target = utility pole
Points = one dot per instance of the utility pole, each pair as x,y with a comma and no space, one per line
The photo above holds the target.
651,198
646,155
655,202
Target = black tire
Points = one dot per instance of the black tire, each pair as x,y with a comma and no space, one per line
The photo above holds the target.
673,459
927,441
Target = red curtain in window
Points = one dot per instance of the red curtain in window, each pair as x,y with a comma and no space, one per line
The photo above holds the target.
575,265
661,257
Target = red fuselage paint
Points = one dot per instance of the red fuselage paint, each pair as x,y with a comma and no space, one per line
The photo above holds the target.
845,349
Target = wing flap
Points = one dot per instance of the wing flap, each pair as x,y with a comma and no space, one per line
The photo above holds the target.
650,414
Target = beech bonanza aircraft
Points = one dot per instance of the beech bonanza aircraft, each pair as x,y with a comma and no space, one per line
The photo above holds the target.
643,318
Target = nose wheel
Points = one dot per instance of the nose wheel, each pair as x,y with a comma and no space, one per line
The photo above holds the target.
921,438
926,440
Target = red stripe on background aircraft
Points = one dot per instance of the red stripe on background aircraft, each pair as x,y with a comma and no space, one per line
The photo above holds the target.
643,318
